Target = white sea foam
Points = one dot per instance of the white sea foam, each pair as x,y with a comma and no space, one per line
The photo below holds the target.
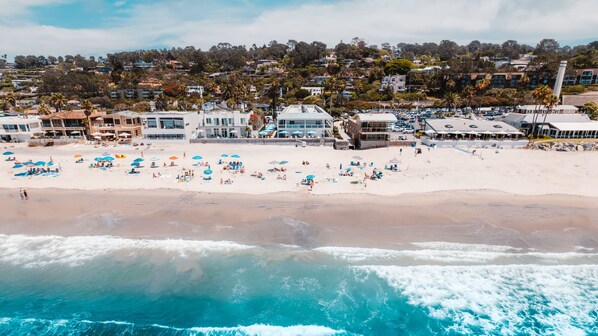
268,330
34,251
446,246
500,299
451,253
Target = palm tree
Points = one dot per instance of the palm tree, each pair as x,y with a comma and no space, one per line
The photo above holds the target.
44,109
87,110
550,101
481,87
539,95
10,99
272,92
161,102
451,100
468,93
57,101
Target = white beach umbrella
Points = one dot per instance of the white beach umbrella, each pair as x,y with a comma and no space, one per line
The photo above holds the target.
124,134
108,134
95,134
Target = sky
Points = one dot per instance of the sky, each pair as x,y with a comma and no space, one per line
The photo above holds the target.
97,27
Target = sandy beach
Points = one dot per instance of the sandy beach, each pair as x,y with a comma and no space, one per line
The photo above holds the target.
515,171
551,223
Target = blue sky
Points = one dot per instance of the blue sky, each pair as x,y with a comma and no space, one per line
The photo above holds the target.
95,27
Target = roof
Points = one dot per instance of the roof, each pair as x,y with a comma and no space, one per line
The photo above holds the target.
469,126
75,114
542,107
581,99
576,126
17,120
550,118
166,113
380,117
304,112
129,114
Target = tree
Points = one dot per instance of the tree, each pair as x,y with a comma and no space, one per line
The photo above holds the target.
481,87
547,46
398,67
44,109
11,99
550,101
451,100
468,93
273,92
57,101
591,109
540,96
87,107
161,103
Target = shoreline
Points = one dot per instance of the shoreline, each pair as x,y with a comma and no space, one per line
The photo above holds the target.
557,223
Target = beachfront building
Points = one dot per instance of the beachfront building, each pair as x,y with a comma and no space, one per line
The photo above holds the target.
456,132
170,125
397,83
537,121
571,130
371,130
224,123
18,129
304,121
67,123
117,125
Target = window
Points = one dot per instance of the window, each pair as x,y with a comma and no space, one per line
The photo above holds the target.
497,126
448,126
10,128
116,121
172,123
243,121
217,121
473,126
208,121
151,123
46,123
129,121
23,128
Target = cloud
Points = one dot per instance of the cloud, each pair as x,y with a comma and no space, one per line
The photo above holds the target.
202,24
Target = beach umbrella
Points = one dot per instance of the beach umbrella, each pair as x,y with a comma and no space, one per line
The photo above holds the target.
236,156
18,165
310,177
135,164
297,133
395,160
273,162
108,134
40,163
197,157
50,163
75,132
312,132
138,160
78,155
98,159
173,158
224,155
124,134
283,162
96,134
97,137
7,153
207,172
154,159
283,132
357,158
108,158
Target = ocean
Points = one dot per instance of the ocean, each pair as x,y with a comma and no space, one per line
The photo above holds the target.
104,285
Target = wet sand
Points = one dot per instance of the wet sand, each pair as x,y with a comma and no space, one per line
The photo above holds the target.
545,223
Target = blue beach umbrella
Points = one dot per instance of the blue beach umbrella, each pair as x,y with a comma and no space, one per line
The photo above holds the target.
50,163
197,157
18,165
154,159
99,159
135,164
108,158
284,162
236,156
138,160
40,163
207,172
7,153
310,177
224,155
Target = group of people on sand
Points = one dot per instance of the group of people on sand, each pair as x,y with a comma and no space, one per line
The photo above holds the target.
227,181
24,195
38,170
186,176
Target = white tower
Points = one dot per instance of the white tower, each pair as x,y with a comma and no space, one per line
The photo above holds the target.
559,79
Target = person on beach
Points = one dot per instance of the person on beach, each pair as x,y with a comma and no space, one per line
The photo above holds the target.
25,195
22,195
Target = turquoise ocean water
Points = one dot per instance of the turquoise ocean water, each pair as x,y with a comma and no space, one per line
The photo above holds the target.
51,285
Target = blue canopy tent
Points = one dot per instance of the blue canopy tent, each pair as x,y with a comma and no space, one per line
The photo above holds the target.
207,172
7,153
197,157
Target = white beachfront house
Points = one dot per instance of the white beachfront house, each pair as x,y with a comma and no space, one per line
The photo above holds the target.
223,123
18,129
170,125
304,121
456,132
